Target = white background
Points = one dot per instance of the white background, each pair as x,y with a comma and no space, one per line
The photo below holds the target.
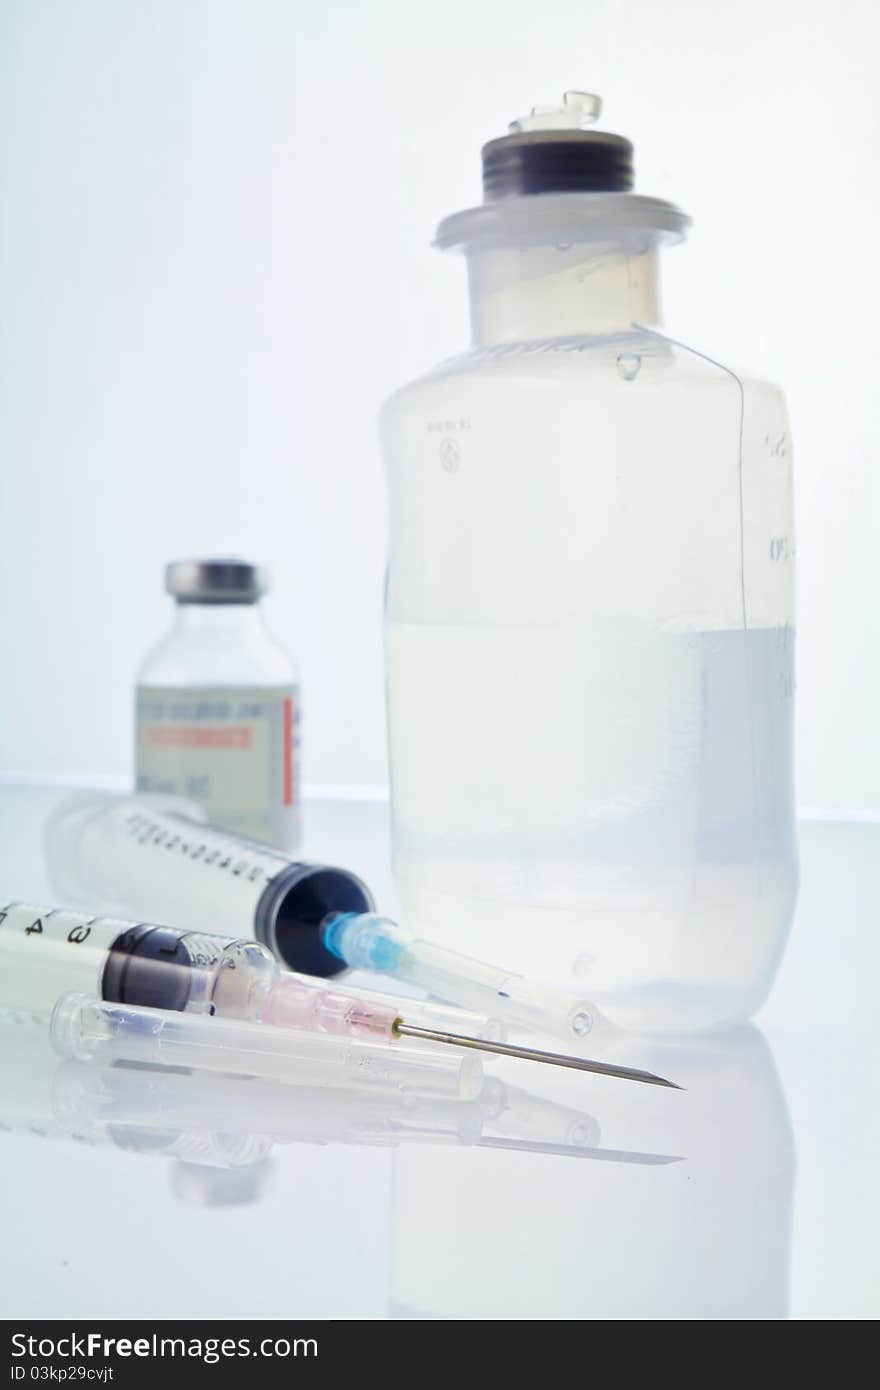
214,265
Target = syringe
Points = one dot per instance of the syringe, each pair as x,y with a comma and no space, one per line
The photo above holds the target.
155,859
366,941
49,951
85,1028
138,857
46,952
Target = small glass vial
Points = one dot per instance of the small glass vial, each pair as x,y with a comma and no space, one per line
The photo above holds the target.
217,710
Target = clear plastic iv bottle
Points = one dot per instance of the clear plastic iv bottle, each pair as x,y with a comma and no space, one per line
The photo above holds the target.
589,618
218,705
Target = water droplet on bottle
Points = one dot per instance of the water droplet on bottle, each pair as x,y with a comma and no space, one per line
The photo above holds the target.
582,1023
580,1135
583,964
628,365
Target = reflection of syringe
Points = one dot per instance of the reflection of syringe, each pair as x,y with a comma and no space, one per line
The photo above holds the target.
98,1099
47,952
210,1165
96,1096
216,1123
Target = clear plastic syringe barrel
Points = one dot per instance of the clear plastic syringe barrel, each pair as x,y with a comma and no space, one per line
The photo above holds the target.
157,860
369,942
46,952
86,1028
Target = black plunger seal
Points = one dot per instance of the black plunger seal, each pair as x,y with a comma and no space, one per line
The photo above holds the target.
294,907
149,966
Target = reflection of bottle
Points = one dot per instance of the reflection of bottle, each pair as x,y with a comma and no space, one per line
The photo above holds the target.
197,1185
218,705
589,609
506,1236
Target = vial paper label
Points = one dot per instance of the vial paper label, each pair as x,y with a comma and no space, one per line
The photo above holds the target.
234,751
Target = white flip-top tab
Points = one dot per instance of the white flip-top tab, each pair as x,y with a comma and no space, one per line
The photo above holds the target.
578,111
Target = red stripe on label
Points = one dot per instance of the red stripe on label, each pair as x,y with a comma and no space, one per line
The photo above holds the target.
195,736
288,751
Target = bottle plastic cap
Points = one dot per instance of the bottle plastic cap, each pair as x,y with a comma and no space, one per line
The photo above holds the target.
551,151
216,581
552,181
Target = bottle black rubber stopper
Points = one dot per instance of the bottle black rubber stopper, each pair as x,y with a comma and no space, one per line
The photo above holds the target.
550,152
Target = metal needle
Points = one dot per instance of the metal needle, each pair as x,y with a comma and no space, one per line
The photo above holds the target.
532,1054
572,1151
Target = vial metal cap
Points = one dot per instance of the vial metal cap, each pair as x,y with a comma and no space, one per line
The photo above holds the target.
216,581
